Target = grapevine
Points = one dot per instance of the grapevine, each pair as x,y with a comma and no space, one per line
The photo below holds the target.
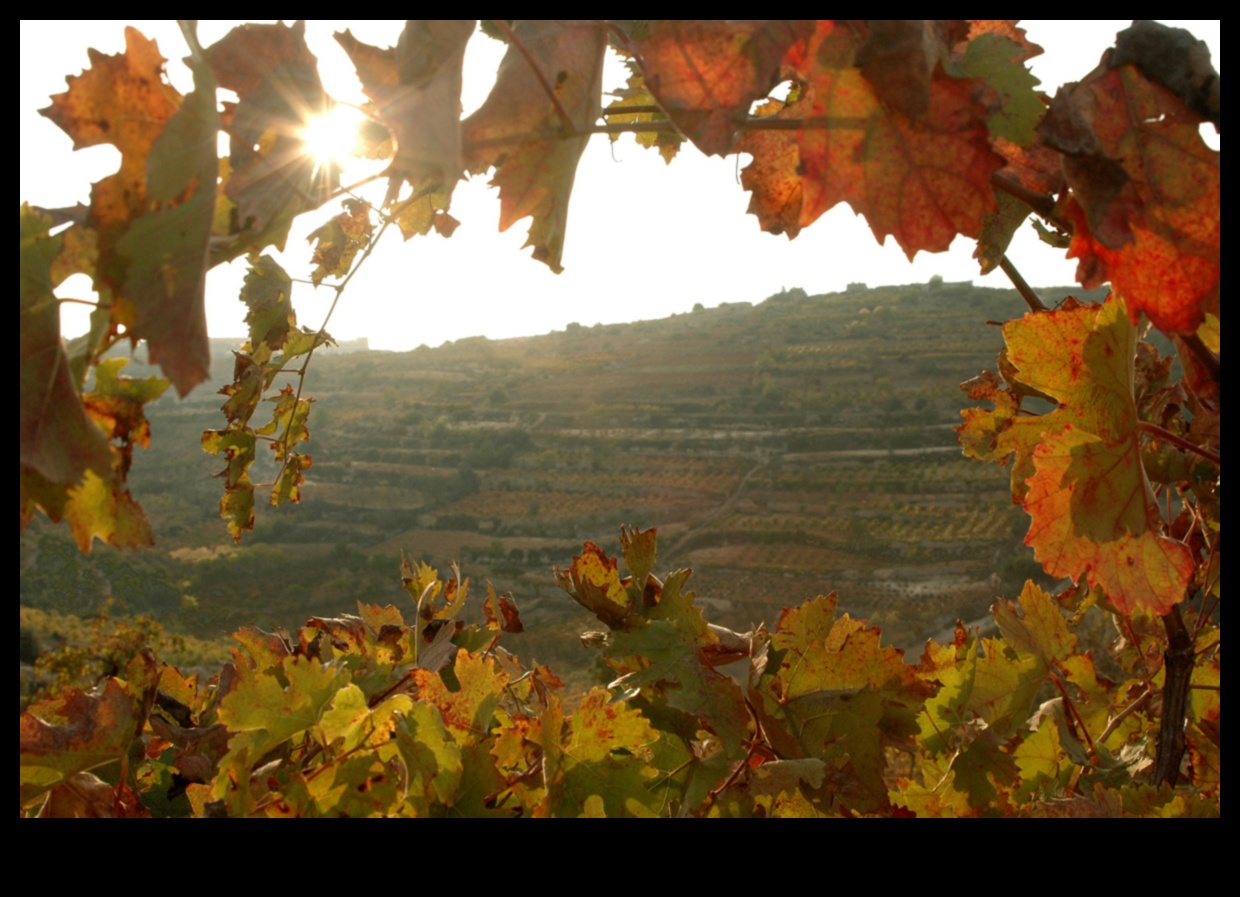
928,130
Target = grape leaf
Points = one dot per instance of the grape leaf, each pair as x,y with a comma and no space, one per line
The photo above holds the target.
1079,471
75,732
123,100
677,669
596,762
593,580
340,239
706,74
922,181
276,79
167,248
468,711
635,95
1092,507
416,88
1146,192
514,130
996,59
58,441
774,176
826,688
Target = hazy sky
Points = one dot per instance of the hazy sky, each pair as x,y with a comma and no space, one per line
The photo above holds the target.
645,240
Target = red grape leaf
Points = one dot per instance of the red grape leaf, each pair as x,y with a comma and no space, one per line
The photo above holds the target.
1092,508
1146,194
923,181
535,173
706,74
416,88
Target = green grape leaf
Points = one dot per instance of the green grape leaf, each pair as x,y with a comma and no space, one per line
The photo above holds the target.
468,711
260,703
996,60
981,765
63,736
1041,630
58,440
1005,686
597,762
954,668
338,242
167,248
267,292
432,758
827,688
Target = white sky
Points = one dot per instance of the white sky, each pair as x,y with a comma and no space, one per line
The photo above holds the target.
645,240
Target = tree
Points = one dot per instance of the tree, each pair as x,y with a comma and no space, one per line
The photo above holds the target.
928,130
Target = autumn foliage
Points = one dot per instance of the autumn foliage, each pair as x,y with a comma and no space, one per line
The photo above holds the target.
927,129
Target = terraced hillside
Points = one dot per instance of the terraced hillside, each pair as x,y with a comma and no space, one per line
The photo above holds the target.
784,449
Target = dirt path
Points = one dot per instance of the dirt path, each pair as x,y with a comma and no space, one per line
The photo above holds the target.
727,505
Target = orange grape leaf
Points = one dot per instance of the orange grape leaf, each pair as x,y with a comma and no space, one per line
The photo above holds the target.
123,100
774,175
922,181
593,580
416,87
1146,191
515,130
1092,507
706,74
276,79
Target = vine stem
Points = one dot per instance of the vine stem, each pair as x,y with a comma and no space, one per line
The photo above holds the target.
301,378
1202,353
1042,204
1178,664
565,121
1022,286
1178,441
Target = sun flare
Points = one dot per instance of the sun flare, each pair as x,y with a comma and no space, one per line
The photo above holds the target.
331,138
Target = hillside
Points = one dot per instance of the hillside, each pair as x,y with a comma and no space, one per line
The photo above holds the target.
784,449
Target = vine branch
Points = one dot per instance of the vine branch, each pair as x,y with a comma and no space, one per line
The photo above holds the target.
1178,441
1178,663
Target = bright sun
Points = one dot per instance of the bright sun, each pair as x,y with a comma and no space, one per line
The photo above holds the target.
332,137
